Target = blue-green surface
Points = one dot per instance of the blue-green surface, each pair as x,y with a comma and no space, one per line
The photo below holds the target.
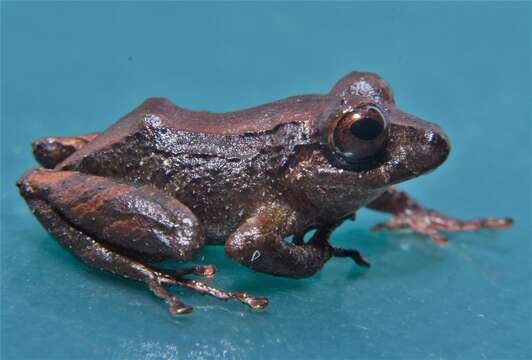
70,68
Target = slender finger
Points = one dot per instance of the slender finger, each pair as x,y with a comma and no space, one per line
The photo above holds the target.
448,224
389,225
254,302
176,307
206,271
395,222
357,257
500,223
430,232
439,239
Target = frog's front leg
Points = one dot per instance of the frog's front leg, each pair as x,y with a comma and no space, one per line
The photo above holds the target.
408,213
117,227
259,243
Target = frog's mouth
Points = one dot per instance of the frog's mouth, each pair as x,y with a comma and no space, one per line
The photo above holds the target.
414,147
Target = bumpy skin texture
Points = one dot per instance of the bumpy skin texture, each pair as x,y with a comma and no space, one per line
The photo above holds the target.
163,181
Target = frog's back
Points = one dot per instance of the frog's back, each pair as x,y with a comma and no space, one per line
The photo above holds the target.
161,115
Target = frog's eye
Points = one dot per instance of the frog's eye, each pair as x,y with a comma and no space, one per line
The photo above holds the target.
360,133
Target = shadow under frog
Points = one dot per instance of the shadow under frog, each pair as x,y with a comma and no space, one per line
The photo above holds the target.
164,181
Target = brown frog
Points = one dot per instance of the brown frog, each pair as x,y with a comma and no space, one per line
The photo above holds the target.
164,181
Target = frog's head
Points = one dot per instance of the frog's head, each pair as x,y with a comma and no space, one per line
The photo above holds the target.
364,143
367,133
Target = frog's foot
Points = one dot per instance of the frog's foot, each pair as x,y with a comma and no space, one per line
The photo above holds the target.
176,307
172,277
206,271
430,223
254,302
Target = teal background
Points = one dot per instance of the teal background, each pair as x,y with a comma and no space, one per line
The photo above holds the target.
70,68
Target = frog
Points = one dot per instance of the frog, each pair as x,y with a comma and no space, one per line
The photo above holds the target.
165,181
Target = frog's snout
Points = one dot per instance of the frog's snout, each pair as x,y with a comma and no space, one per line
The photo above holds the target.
438,147
416,147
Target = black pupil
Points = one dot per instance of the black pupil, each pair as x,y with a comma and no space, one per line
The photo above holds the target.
366,129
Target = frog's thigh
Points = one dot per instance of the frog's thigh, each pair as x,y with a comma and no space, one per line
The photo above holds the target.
259,244
142,219
51,150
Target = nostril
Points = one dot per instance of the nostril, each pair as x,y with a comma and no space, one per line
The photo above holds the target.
434,138
439,144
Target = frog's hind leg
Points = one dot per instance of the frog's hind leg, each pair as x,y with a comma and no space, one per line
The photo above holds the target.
98,256
51,150
94,218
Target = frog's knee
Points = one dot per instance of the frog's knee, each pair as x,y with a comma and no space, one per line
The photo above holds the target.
35,183
51,150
